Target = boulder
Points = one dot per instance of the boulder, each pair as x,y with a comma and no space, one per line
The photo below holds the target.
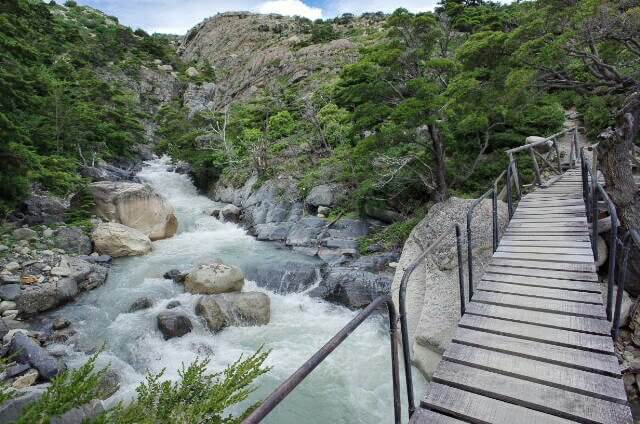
603,251
42,297
230,213
137,206
325,195
305,232
11,410
140,304
433,299
214,278
351,287
25,234
60,324
4,328
40,209
284,277
25,380
175,275
72,240
383,214
81,414
9,291
192,72
234,309
632,280
25,350
117,240
106,172
172,324
542,147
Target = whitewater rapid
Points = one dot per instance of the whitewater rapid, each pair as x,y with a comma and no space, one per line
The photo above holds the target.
352,386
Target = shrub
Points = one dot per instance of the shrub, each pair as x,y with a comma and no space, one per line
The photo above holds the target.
70,3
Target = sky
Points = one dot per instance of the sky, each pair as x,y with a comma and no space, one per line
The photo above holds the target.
177,16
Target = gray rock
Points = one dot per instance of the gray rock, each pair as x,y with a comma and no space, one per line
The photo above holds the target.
12,409
272,232
214,278
72,240
175,275
234,309
305,232
25,234
325,195
140,304
198,97
16,370
109,384
230,213
25,350
4,328
172,324
382,213
42,297
352,288
106,173
10,291
80,414
97,259
61,324
173,304
9,279
41,209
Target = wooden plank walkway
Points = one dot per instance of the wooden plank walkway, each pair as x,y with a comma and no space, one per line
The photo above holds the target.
534,345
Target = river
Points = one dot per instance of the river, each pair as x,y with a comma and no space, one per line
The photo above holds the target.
352,386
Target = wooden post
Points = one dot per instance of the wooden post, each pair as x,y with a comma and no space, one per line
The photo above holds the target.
515,174
535,167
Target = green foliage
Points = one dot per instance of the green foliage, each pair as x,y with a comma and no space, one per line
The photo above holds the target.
281,125
322,32
57,113
83,206
391,237
198,397
68,390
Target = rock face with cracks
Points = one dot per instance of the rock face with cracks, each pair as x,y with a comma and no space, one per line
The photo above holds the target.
432,296
234,309
118,240
214,278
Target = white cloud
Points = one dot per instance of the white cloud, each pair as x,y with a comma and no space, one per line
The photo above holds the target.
338,7
290,7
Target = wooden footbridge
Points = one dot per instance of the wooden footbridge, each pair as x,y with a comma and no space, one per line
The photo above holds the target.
534,341
534,344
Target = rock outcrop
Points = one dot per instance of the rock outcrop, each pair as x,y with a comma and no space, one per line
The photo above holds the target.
137,206
119,240
433,300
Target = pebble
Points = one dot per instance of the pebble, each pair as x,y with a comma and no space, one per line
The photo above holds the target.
9,279
25,250
3,247
47,252
12,266
393,264
24,234
29,279
10,314
26,380
48,232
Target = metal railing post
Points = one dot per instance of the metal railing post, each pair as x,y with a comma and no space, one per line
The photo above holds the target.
509,192
460,269
595,213
494,213
629,239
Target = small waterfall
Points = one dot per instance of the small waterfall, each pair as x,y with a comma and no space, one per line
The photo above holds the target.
352,386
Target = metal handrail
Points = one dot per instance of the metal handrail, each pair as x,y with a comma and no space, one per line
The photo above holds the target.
631,235
296,378
406,351
494,201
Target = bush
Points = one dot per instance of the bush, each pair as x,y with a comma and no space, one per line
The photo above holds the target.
70,3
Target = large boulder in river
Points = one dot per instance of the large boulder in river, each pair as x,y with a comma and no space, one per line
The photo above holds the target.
234,309
118,240
173,324
135,205
433,297
214,278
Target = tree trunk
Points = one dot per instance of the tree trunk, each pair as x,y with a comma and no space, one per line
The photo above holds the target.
614,160
442,190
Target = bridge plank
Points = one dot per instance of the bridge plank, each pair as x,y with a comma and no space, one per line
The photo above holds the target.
529,272
545,265
569,357
545,243
577,381
583,251
551,257
539,292
480,409
542,305
538,333
552,283
532,395
425,416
